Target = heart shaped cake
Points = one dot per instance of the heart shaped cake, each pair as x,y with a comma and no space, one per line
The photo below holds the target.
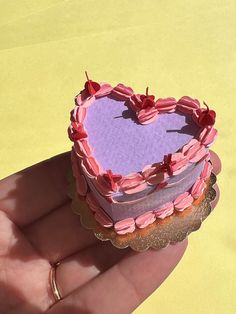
137,159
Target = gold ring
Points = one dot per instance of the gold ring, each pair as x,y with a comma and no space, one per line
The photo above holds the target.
53,283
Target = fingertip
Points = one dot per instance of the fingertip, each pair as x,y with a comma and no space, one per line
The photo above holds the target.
179,248
184,244
216,200
216,162
171,254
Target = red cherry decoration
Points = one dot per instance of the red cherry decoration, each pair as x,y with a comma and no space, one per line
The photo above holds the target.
206,117
147,100
90,86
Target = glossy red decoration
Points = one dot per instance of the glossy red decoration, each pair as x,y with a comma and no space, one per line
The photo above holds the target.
90,86
206,116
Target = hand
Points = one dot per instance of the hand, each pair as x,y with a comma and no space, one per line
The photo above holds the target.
38,228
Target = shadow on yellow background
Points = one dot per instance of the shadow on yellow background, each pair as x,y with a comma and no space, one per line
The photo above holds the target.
176,48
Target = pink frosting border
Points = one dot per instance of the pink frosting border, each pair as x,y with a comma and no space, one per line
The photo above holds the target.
107,182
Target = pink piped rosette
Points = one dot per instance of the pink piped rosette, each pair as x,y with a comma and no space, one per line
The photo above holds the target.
147,110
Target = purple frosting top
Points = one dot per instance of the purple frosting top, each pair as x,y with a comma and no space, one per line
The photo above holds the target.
123,145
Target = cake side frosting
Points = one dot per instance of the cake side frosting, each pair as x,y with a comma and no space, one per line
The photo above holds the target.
149,191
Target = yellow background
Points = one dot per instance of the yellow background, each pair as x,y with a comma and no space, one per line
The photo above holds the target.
176,48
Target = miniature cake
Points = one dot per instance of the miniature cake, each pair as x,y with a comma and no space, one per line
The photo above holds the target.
135,158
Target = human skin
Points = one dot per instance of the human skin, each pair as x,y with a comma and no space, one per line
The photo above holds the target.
38,229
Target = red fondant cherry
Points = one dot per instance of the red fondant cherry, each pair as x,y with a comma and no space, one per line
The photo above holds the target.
147,100
206,117
90,86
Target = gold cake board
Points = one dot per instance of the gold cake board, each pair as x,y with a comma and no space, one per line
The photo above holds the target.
159,234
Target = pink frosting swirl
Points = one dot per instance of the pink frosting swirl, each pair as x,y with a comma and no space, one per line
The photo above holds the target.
208,136
183,201
78,114
187,104
82,148
91,167
145,219
133,183
166,104
206,172
194,151
198,188
164,211
122,92
81,100
125,226
105,89
147,115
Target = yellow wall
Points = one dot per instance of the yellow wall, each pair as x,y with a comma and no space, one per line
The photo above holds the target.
174,47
